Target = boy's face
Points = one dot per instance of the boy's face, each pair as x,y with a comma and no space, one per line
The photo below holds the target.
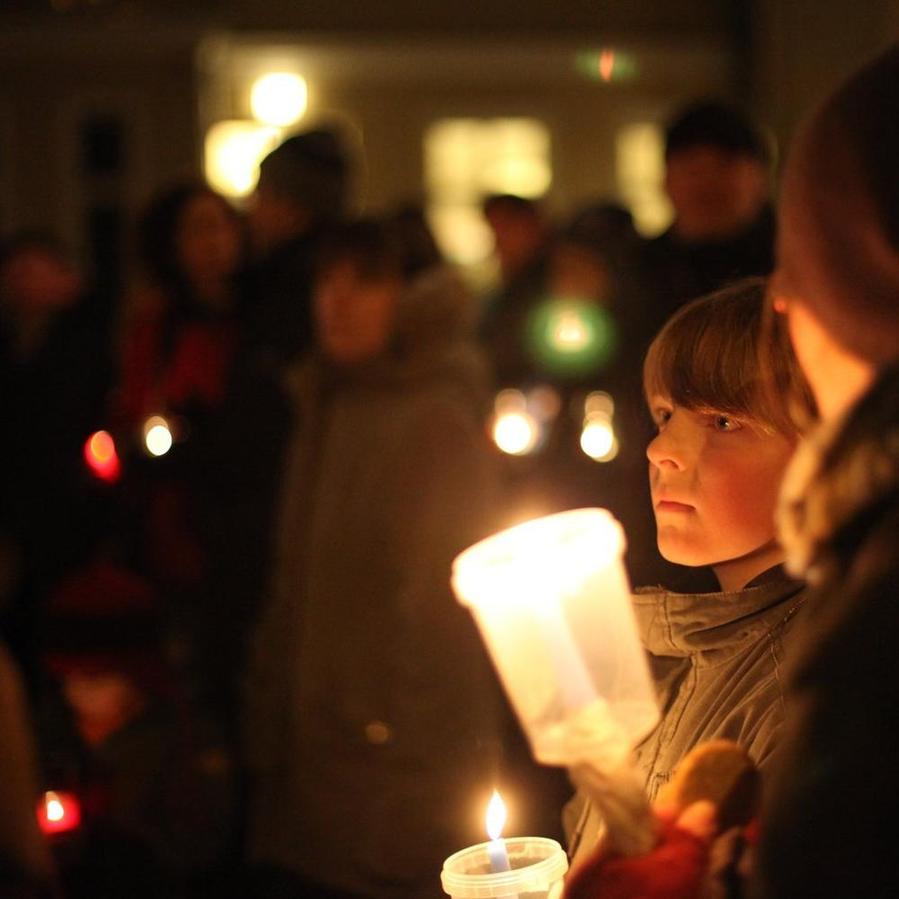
354,315
714,482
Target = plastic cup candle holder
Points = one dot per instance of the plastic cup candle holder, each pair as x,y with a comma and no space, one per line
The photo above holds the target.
553,604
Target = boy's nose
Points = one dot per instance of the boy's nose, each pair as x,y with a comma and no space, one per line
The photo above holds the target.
666,450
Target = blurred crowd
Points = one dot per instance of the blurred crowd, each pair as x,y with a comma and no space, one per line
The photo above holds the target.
232,663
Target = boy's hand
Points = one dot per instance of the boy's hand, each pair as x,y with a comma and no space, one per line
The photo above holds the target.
675,869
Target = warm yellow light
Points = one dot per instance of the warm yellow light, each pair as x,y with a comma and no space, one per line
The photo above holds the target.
524,176
598,439
233,151
496,816
516,433
462,233
102,446
570,333
640,173
279,98
55,811
157,436
598,402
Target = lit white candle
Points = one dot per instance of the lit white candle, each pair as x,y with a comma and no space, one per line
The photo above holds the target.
496,848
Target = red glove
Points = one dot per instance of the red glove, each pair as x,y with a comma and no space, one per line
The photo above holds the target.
674,869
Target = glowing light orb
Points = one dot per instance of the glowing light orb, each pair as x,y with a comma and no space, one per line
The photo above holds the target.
101,456
55,811
516,432
58,812
570,332
598,439
233,151
598,402
279,98
157,436
571,338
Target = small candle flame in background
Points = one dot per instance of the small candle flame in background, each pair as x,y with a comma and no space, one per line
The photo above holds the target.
58,812
496,816
158,437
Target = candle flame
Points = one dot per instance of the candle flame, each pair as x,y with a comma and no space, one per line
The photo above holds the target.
496,816
55,810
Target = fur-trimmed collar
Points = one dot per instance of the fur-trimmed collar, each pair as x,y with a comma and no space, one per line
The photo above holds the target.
840,473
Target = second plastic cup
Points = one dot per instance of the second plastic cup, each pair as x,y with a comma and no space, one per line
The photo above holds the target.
537,869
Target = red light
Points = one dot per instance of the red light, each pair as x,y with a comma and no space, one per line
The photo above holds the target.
101,456
606,64
58,812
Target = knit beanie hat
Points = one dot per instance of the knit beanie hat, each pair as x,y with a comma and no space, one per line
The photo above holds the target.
717,124
312,169
104,618
838,242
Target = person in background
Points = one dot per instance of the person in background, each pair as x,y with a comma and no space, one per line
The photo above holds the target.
371,710
55,373
303,191
724,439
521,236
178,346
178,334
581,346
717,177
152,776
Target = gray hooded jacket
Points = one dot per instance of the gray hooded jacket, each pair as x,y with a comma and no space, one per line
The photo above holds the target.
717,659
370,709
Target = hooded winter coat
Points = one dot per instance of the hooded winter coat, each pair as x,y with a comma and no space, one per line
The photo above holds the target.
717,661
371,708
827,826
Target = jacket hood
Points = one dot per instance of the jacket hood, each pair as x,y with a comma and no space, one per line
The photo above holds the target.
687,624
844,470
433,343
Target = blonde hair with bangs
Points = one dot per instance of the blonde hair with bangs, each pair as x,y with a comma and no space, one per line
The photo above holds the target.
726,353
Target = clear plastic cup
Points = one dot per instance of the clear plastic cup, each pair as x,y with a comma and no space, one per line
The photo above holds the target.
553,604
537,868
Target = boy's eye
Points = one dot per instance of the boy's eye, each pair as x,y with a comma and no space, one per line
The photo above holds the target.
725,423
661,417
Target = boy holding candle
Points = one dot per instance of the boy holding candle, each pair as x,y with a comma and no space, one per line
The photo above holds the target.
724,439
826,823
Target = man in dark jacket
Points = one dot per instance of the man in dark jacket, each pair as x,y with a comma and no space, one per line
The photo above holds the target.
717,178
